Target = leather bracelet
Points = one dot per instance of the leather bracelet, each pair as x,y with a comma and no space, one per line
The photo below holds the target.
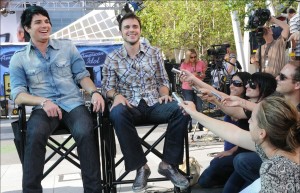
114,95
95,91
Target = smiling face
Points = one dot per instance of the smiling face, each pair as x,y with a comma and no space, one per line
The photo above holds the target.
131,31
40,29
236,86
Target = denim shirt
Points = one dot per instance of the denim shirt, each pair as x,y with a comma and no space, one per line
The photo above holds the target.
54,76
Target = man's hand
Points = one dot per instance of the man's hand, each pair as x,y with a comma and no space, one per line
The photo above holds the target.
120,99
52,109
98,102
165,98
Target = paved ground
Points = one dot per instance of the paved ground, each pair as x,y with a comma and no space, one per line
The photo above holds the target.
66,178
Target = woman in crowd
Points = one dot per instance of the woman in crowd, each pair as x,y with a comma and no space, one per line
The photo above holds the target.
259,86
197,68
274,134
221,167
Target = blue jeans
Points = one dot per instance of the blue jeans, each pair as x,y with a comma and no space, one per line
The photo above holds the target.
190,95
246,170
40,127
124,120
248,165
217,173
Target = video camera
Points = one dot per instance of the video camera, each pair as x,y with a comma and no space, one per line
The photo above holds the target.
218,50
217,53
256,22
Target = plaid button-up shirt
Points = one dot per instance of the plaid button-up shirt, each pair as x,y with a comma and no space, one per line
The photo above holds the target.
138,78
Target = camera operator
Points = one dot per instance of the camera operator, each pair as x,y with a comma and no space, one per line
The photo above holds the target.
222,74
230,60
273,56
294,22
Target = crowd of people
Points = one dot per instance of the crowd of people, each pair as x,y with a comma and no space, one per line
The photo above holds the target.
261,126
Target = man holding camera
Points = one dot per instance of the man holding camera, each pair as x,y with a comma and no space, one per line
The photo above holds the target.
273,56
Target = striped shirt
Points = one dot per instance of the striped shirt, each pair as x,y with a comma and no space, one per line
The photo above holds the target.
135,78
294,27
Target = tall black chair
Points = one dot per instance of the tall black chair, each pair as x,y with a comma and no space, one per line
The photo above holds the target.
108,155
62,149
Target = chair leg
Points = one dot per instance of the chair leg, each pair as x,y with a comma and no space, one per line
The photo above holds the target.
63,156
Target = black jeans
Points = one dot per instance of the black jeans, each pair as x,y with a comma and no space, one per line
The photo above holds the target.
40,127
124,120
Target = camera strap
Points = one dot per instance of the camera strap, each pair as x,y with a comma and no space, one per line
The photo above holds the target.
268,46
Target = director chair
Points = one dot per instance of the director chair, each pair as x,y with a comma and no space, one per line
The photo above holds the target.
108,155
61,148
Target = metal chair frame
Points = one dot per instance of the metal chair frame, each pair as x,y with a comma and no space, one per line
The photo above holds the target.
59,148
108,155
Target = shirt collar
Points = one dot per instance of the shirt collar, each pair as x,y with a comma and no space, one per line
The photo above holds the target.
124,53
52,44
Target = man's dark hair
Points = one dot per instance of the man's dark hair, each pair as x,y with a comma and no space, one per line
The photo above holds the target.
29,12
127,16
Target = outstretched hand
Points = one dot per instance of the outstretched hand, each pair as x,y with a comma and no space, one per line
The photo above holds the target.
231,101
187,76
187,107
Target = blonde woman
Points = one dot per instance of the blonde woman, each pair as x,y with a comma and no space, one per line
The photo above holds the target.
197,68
274,134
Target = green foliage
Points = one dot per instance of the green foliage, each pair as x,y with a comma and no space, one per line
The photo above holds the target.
183,24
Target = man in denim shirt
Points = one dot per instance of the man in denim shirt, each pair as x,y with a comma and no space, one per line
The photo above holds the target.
135,79
45,74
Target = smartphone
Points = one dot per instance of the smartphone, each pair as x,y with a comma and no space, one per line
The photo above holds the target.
177,97
216,95
196,90
174,70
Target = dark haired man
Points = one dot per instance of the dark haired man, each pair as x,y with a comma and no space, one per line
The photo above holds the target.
273,55
45,74
134,78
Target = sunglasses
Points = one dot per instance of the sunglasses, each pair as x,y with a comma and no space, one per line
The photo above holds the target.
192,57
237,83
282,77
251,84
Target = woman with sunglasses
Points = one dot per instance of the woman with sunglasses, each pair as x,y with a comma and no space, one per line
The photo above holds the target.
221,167
259,86
197,68
275,136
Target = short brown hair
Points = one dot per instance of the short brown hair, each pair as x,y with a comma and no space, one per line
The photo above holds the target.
129,15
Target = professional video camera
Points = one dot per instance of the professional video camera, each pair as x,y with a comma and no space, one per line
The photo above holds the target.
217,53
256,22
259,18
